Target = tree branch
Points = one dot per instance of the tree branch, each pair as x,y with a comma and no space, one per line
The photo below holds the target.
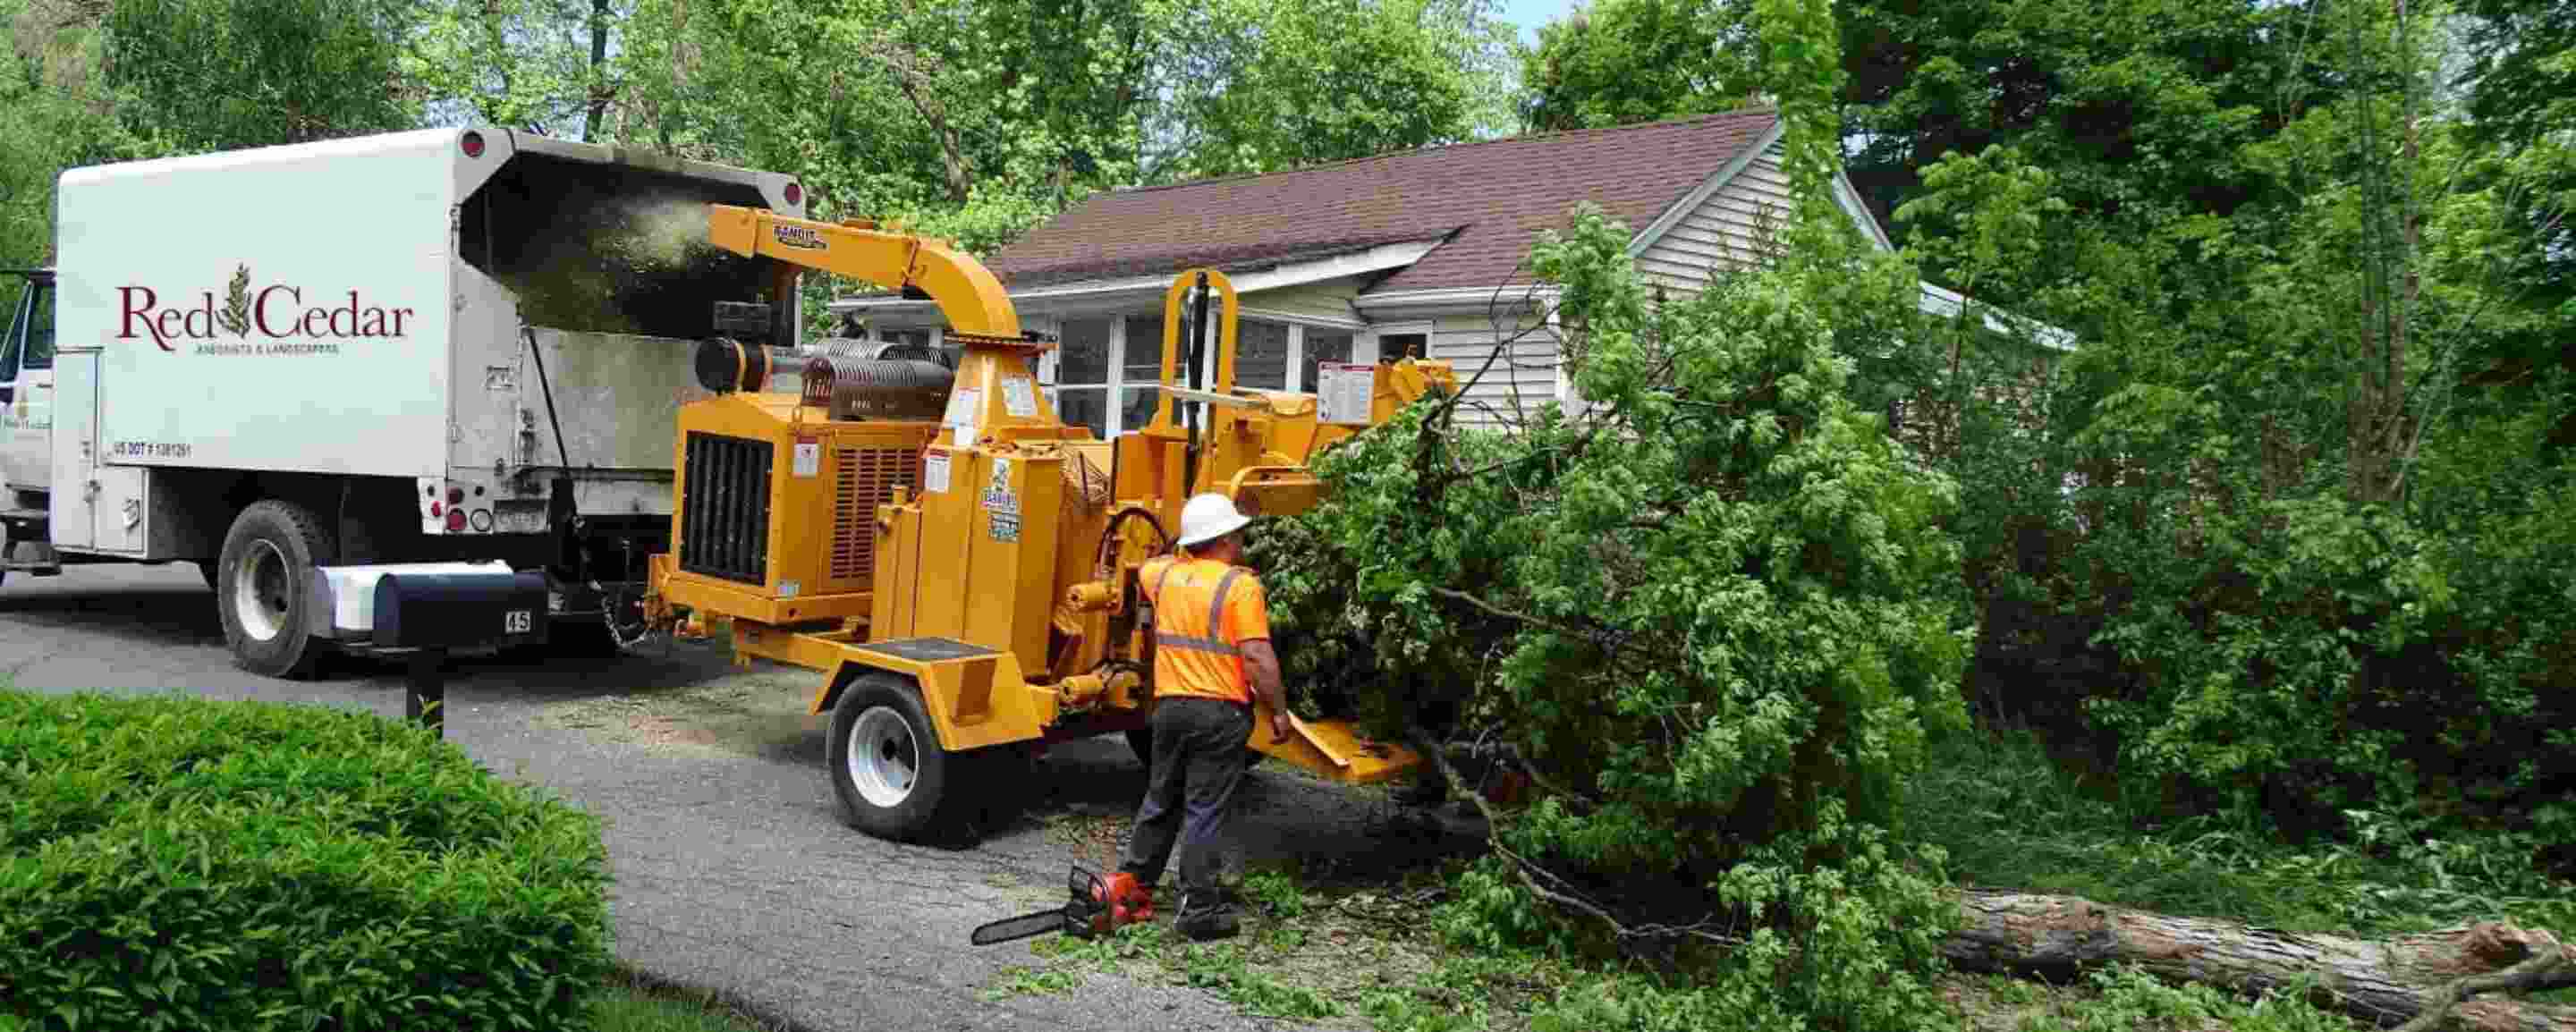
1529,873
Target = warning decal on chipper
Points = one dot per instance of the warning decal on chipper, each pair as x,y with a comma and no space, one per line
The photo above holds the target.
1001,504
965,406
1019,397
1343,392
998,496
934,474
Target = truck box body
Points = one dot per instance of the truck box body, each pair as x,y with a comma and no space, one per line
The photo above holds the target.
360,308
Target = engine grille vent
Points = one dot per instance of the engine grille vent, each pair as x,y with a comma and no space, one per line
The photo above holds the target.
862,479
724,519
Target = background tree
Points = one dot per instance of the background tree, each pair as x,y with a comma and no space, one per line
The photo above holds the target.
527,64
2291,485
195,75
1617,62
56,112
1259,87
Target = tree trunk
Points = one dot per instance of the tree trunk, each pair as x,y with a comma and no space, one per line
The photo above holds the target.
663,117
916,81
2383,981
598,72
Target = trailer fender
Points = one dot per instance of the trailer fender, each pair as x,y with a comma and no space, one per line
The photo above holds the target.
974,695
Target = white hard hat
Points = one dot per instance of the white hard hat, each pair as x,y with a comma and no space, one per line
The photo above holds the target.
1209,517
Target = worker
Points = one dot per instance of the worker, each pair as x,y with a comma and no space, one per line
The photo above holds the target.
1211,641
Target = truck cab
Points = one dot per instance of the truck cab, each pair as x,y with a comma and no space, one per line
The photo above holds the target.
26,389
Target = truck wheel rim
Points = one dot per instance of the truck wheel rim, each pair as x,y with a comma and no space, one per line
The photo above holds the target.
883,758
260,591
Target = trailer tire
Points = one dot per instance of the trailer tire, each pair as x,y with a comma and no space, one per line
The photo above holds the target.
264,586
894,779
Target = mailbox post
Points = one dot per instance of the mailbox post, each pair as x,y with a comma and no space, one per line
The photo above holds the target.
422,616
425,689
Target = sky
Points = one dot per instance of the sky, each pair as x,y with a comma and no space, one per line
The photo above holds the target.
1530,14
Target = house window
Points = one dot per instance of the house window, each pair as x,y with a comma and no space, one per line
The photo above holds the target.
1082,374
1393,347
1142,368
1104,357
1261,355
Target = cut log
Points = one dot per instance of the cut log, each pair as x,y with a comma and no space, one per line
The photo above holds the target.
2507,1016
2381,981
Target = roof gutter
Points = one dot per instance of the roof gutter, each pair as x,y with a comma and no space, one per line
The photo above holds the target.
1110,292
1480,298
1948,303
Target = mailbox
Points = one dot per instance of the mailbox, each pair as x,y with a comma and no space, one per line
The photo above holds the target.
452,610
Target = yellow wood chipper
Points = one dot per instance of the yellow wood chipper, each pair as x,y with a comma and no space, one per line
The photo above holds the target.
957,561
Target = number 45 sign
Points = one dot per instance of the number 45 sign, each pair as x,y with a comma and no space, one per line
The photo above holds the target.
518,621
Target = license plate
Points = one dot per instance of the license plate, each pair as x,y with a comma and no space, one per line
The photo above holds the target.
520,519
518,621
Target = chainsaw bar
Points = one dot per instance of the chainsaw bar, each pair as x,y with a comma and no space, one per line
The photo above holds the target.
1026,925
1076,918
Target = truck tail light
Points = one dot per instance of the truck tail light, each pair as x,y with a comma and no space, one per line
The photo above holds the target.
455,495
455,519
473,144
795,194
436,509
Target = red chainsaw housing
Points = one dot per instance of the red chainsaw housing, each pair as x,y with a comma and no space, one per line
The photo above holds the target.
1122,902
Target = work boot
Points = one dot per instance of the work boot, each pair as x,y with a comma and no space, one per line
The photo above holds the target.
1203,918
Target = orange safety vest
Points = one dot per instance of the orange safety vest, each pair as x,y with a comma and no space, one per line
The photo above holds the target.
1204,611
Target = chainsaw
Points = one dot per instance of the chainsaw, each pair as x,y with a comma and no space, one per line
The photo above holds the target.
1099,906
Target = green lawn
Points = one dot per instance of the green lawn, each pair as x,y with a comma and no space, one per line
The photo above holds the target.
627,1007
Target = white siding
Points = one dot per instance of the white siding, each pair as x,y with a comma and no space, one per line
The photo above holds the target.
1520,381
1330,299
1721,231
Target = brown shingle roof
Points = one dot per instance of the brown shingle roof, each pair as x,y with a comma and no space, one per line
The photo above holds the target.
1492,195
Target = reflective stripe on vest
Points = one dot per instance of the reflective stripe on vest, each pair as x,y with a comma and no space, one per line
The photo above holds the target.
1215,618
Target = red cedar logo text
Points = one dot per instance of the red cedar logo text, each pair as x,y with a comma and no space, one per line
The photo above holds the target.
277,312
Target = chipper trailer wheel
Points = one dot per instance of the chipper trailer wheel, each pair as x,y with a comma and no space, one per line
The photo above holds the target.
894,779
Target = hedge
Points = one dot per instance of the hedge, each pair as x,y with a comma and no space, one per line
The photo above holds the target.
175,863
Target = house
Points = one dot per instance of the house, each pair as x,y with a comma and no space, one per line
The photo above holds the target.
1418,253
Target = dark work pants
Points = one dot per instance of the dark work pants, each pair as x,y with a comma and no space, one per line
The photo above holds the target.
1198,762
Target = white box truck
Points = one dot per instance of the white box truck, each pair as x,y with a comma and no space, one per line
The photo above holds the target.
299,366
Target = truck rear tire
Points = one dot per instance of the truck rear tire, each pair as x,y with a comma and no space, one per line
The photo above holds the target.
894,779
264,588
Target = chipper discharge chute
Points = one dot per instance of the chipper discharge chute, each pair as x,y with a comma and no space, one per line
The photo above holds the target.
957,561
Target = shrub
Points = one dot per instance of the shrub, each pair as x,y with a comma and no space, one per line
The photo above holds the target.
170,863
